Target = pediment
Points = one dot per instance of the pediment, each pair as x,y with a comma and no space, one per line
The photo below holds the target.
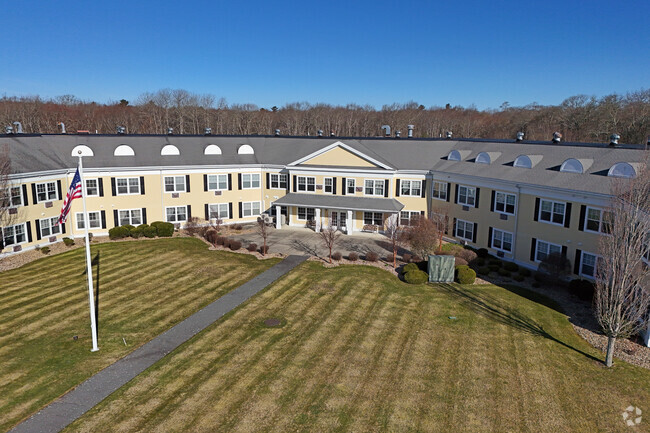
339,155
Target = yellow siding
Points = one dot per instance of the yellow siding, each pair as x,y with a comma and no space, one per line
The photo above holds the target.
339,157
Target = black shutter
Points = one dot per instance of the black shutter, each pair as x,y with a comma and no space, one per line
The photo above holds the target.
397,182
564,250
581,222
268,180
567,215
478,192
474,232
386,186
187,183
294,183
103,216
100,184
345,186
29,231
490,237
38,230
113,189
533,249
34,198
58,186
189,212
288,183
494,193
238,180
453,233
536,216
334,186
422,212
63,228
116,220
144,215
448,192
142,185
240,210
424,188
205,182
229,182
25,199
576,264
206,208
229,210
456,196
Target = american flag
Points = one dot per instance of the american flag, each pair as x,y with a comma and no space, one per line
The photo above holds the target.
73,192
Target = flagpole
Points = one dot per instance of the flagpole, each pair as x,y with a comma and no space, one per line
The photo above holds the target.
89,267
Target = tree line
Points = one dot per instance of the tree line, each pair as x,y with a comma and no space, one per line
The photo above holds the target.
577,118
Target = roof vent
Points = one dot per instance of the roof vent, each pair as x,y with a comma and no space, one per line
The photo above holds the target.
410,132
520,136
62,125
398,133
170,131
557,137
19,127
386,129
207,131
332,134
277,132
9,129
121,130
449,134
320,132
613,140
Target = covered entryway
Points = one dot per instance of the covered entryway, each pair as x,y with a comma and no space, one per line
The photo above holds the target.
338,219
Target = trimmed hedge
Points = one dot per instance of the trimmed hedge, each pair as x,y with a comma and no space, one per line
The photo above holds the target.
235,245
465,275
410,267
45,250
336,256
510,266
372,256
164,230
353,257
504,273
406,257
519,277
459,261
264,250
416,277
119,232
583,289
68,242
525,272
252,247
483,253
483,270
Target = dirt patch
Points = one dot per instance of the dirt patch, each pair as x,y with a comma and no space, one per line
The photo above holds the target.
273,322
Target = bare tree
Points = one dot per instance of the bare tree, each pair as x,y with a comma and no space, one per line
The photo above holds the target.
329,235
422,236
5,191
440,217
395,234
263,231
622,297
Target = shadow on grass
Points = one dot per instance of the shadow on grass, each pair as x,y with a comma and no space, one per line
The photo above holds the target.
491,308
95,263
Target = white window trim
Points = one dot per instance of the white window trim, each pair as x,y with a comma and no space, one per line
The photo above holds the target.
383,184
56,192
306,213
433,188
347,186
97,187
175,190
411,213
252,175
539,215
410,190
52,224
218,211
128,187
306,183
467,195
24,225
331,185
600,221
582,259
505,203
243,214
119,217
22,198
503,232
373,214
537,260
176,214
465,222
217,182
79,218
278,181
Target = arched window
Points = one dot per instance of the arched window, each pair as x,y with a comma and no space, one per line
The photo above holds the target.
245,149
212,149
523,161
82,150
622,169
483,158
572,165
170,149
454,155
123,150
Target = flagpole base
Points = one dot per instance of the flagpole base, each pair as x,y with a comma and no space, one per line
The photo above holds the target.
95,349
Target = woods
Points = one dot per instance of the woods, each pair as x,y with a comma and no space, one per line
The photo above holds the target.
578,118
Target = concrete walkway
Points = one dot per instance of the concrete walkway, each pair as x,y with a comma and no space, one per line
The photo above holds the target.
63,411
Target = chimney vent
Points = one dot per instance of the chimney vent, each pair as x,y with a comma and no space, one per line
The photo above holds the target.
19,127
386,129
397,134
449,135
207,131
170,131
613,140
557,137
62,125
520,136
410,132
121,130
277,132
9,129
332,134
320,132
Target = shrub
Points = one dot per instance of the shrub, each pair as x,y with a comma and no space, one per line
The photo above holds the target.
264,250
555,266
416,277
150,232
459,261
536,284
539,277
163,229
211,236
504,273
479,262
416,259
119,232
372,256
336,256
353,257
525,272
252,247
410,267
138,231
68,242
451,249
468,255
192,226
237,227
45,250
495,262
494,268
465,275
519,277
406,257
583,289
510,266
220,240
226,242
482,253
235,245
483,270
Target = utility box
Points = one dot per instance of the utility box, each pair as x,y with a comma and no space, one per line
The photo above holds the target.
441,269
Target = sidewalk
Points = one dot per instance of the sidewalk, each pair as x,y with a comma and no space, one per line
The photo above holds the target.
63,411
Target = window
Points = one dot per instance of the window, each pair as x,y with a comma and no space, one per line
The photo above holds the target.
130,216
174,183
176,213
306,213
502,240
217,182
15,196
439,191
598,220
351,186
466,195
91,188
128,185
219,211
49,226
504,202
465,230
483,158
328,187
46,191
250,208
523,161
249,181
94,220
373,218
406,218
572,165
544,249
306,183
622,169
411,187
454,155
588,264
14,234
374,187
552,212
278,181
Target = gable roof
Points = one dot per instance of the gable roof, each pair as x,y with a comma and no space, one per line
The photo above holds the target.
375,159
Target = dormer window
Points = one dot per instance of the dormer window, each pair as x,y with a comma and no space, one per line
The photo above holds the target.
454,155
483,158
572,165
245,149
82,150
212,149
170,150
622,169
123,150
523,161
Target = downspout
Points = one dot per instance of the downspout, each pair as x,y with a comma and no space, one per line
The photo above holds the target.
516,231
162,195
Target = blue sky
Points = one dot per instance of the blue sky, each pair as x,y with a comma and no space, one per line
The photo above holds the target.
365,52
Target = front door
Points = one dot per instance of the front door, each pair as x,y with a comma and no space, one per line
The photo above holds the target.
338,219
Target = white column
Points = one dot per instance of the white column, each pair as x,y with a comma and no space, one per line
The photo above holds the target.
317,217
350,223
646,335
278,217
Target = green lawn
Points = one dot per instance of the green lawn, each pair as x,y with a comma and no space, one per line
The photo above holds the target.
144,288
360,351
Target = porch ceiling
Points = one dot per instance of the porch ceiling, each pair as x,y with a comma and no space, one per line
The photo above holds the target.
340,202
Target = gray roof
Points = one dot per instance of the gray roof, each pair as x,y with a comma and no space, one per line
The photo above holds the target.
340,202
